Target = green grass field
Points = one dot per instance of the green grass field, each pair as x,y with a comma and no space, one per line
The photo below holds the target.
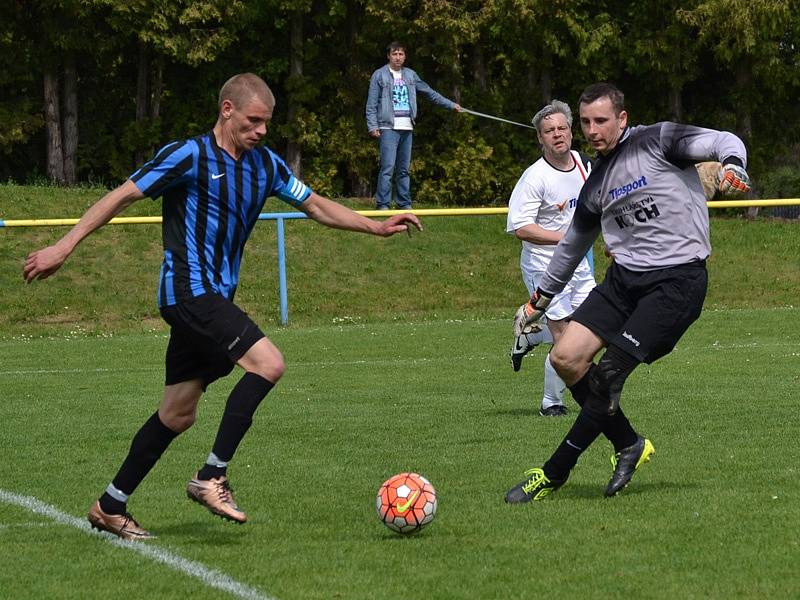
713,516
397,355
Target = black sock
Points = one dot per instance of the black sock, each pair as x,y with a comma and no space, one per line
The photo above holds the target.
236,420
580,389
583,432
208,471
617,429
112,506
147,446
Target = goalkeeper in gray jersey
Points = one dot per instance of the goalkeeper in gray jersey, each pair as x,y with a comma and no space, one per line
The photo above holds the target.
646,197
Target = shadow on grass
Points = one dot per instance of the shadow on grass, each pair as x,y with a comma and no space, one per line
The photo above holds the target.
517,411
213,531
392,536
644,488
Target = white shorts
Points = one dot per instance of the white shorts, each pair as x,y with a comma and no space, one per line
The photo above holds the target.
563,304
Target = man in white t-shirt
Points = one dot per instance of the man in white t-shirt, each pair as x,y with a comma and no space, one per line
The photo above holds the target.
391,112
539,211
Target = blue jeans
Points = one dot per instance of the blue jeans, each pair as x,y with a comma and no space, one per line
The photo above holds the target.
395,160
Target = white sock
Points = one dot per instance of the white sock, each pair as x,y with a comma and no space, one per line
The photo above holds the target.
539,337
214,461
116,494
554,386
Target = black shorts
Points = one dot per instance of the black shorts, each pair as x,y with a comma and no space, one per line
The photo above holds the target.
645,313
209,334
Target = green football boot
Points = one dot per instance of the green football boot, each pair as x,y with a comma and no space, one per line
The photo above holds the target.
626,461
535,487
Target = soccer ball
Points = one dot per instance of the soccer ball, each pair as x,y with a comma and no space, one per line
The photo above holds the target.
406,502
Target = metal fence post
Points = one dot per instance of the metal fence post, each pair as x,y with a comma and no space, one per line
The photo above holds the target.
282,273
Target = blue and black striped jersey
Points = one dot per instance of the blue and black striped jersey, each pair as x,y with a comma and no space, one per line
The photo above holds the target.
211,203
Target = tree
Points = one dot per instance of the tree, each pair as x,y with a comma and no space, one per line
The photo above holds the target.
556,46
659,49
151,69
56,31
190,32
749,51
20,92
294,154
746,44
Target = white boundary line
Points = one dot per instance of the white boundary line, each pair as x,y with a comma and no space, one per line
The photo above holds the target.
79,370
210,577
392,360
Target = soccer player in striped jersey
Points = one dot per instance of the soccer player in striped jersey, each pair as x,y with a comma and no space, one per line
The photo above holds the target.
213,188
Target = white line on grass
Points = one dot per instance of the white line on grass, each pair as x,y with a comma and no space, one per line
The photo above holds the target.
78,370
211,577
21,525
398,360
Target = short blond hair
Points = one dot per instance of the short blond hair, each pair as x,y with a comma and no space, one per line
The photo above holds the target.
242,88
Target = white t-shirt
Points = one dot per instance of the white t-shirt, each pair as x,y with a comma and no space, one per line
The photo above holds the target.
547,197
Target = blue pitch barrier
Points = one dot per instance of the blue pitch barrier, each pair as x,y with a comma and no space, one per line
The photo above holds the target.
279,218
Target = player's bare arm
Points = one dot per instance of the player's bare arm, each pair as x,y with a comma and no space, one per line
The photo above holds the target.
43,263
536,234
332,214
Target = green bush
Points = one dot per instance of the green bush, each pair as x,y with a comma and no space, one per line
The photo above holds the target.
783,182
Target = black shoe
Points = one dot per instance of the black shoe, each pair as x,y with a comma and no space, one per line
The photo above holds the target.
625,463
535,487
521,347
556,410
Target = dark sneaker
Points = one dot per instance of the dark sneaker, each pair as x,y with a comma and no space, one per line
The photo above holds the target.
521,347
556,410
124,526
535,487
625,463
217,496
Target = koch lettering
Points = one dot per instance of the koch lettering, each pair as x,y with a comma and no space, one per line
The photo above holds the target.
641,215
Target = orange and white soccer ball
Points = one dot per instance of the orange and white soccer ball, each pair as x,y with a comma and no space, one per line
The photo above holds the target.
406,502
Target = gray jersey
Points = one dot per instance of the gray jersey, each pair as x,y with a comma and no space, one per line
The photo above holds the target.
646,197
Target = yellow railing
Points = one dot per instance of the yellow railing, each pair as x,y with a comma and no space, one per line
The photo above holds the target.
422,212
280,218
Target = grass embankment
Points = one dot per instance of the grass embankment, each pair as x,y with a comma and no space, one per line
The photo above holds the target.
713,516
459,267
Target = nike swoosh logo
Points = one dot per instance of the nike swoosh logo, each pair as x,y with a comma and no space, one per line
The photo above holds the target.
517,345
562,205
217,176
401,508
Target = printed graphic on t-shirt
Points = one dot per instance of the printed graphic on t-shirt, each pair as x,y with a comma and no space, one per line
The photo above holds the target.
400,102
